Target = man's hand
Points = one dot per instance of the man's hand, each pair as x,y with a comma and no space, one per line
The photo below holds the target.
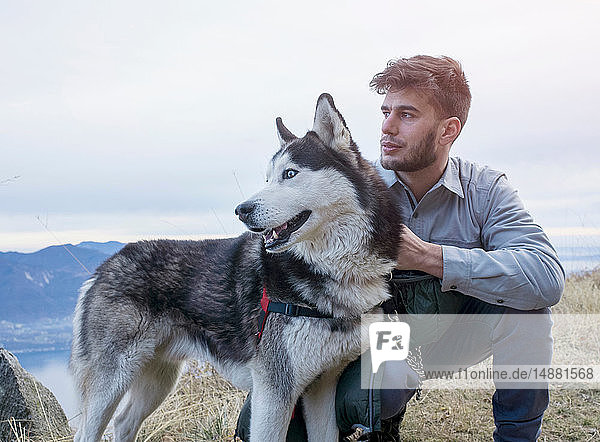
416,254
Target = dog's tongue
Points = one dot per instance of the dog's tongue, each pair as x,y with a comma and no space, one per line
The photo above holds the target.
280,228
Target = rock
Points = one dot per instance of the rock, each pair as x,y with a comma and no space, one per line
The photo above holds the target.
27,408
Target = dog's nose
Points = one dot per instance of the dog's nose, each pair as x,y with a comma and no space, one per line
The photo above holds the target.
244,210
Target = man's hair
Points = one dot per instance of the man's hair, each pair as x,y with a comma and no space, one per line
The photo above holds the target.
441,78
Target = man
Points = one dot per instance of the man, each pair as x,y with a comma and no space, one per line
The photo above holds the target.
466,226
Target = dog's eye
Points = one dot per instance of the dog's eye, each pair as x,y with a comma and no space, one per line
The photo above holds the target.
289,173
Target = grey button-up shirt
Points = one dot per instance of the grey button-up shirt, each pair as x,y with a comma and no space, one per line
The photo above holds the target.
492,249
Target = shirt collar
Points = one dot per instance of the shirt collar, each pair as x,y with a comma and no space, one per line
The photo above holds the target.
450,178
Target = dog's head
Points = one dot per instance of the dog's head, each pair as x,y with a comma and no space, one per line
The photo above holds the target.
314,184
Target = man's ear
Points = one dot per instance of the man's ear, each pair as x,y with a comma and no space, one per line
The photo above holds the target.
285,136
450,129
330,126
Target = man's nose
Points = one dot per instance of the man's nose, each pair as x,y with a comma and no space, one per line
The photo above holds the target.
389,126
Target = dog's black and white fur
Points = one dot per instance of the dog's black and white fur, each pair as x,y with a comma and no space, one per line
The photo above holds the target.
329,235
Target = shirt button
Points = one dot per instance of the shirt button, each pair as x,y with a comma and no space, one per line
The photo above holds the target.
453,287
500,301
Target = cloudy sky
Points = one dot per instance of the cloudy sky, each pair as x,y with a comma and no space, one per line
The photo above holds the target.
126,120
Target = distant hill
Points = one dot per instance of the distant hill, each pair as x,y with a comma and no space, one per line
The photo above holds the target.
44,284
108,248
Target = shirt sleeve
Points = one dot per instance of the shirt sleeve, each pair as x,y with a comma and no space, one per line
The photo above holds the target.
517,266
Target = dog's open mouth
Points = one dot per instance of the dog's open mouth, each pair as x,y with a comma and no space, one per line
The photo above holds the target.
281,234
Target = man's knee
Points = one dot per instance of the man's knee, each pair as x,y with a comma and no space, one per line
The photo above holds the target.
523,337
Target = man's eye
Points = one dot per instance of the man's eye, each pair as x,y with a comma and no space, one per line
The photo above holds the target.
289,173
386,114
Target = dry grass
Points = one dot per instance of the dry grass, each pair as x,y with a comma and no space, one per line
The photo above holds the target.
582,294
466,415
205,407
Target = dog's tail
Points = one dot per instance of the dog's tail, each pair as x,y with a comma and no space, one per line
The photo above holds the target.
78,351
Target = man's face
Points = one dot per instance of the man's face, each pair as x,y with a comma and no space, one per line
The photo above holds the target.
408,132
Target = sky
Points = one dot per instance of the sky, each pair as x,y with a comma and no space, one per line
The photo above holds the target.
139,119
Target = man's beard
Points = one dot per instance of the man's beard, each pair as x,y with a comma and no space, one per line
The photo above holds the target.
419,157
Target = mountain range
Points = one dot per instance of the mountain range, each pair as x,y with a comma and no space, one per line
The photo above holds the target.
44,284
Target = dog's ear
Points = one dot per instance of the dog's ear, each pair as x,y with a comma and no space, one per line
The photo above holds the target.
285,136
330,126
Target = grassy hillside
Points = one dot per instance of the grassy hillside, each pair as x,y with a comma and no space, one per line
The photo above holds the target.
205,407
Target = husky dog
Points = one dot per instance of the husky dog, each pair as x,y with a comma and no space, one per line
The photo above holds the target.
328,236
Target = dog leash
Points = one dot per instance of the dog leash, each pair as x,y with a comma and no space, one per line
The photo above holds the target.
268,306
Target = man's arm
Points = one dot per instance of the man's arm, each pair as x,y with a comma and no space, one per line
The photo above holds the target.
517,266
416,254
